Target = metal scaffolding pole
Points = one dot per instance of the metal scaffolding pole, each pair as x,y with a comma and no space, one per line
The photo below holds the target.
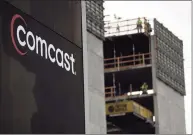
133,54
114,56
114,84
119,89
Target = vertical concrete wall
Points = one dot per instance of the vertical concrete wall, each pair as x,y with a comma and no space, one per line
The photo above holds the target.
95,118
168,104
171,111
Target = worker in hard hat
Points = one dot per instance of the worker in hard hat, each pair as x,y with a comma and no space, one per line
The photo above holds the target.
144,88
118,28
139,25
145,26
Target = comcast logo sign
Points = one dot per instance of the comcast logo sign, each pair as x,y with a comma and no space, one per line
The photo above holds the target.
41,47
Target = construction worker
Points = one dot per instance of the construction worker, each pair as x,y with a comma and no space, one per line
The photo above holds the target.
118,28
145,26
139,25
144,88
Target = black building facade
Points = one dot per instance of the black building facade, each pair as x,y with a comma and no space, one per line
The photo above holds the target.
41,67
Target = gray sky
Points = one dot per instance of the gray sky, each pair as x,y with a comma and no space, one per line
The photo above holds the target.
176,16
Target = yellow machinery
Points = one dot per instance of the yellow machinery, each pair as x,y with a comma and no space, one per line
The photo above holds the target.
124,107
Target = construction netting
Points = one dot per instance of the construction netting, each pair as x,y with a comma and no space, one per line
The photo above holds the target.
169,58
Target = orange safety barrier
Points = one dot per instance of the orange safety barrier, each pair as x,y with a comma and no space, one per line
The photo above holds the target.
110,91
128,61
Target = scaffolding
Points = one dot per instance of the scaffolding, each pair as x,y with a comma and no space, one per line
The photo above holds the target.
127,53
128,56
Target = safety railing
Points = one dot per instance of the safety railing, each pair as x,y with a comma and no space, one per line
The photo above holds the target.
123,27
110,91
127,61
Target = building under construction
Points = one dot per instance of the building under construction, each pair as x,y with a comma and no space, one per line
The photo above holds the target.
37,95
133,58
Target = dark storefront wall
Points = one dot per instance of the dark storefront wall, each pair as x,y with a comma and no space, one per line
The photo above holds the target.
36,95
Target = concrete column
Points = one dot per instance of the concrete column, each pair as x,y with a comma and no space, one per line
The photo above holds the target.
85,67
168,104
95,118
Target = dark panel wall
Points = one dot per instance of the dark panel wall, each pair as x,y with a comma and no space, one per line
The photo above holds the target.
169,58
37,96
95,17
62,16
